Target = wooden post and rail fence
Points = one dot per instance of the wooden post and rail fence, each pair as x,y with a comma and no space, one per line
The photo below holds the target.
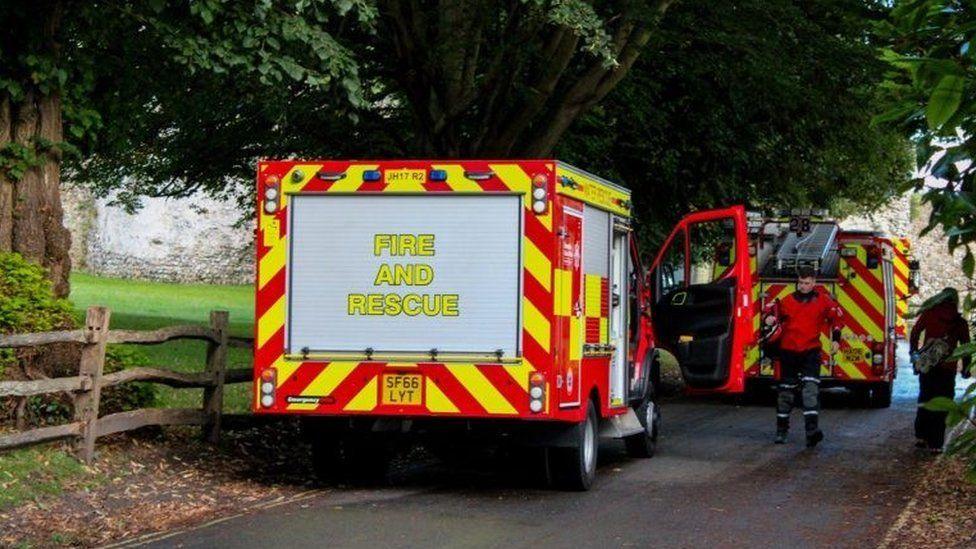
85,388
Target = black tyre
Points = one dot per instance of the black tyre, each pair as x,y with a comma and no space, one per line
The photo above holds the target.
881,395
574,468
643,445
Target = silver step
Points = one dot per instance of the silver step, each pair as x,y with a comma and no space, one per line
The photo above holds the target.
621,426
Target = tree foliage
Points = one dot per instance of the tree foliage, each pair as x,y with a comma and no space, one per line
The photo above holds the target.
76,76
931,92
764,102
433,78
91,52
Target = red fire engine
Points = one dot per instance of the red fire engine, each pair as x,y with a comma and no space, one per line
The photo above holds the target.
398,296
720,268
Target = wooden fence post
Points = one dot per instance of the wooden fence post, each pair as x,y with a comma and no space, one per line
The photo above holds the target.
21,414
213,396
91,366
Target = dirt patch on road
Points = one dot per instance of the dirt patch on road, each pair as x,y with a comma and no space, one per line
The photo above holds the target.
161,482
942,512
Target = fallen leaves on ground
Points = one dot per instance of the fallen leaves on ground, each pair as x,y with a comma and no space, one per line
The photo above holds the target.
169,480
944,510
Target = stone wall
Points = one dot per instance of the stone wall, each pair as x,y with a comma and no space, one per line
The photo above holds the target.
199,239
900,218
195,239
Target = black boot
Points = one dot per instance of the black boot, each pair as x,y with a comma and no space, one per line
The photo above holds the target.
814,434
782,429
814,438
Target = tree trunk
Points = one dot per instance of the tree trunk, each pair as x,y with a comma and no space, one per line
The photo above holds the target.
31,218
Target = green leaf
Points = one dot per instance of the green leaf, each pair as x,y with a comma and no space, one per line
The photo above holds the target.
964,350
968,263
941,404
944,101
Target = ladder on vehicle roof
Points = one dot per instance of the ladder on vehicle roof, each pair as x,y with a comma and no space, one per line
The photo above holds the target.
807,250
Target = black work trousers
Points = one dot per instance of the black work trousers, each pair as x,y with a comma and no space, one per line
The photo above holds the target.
799,376
930,426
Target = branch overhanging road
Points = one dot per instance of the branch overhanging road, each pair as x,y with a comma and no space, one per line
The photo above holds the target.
717,481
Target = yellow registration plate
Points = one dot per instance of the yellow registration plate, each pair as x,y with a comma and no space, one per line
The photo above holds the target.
402,389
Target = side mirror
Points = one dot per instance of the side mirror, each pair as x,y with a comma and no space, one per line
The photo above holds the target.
914,276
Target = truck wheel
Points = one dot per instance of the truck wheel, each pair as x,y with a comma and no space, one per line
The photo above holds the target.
643,445
881,395
574,468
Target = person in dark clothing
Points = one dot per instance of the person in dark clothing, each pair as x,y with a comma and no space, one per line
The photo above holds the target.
940,320
801,317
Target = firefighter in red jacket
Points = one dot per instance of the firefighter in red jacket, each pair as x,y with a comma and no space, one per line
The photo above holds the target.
940,321
801,317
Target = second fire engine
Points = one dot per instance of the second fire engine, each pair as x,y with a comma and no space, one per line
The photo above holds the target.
720,268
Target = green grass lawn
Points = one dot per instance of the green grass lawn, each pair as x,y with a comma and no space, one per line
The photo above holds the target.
36,472
142,305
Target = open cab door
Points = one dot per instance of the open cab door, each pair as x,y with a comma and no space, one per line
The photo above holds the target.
701,285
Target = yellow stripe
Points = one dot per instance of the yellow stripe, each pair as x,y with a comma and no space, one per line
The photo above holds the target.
537,264
290,185
850,307
325,382
562,303
481,389
863,288
515,178
901,266
285,369
604,330
270,321
592,295
752,356
272,262
536,324
365,400
575,338
353,179
591,191
456,180
901,287
520,373
437,401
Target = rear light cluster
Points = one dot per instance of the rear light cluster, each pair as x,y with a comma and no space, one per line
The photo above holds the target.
877,359
272,194
540,194
878,348
268,384
537,392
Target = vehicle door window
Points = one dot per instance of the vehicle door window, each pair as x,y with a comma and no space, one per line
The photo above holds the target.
672,266
712,246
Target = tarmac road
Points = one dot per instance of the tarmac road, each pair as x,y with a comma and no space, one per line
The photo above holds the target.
717,481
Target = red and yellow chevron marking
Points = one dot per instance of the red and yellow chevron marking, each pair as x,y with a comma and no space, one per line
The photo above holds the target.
854,360
597,309
449,388
902,253
752,351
